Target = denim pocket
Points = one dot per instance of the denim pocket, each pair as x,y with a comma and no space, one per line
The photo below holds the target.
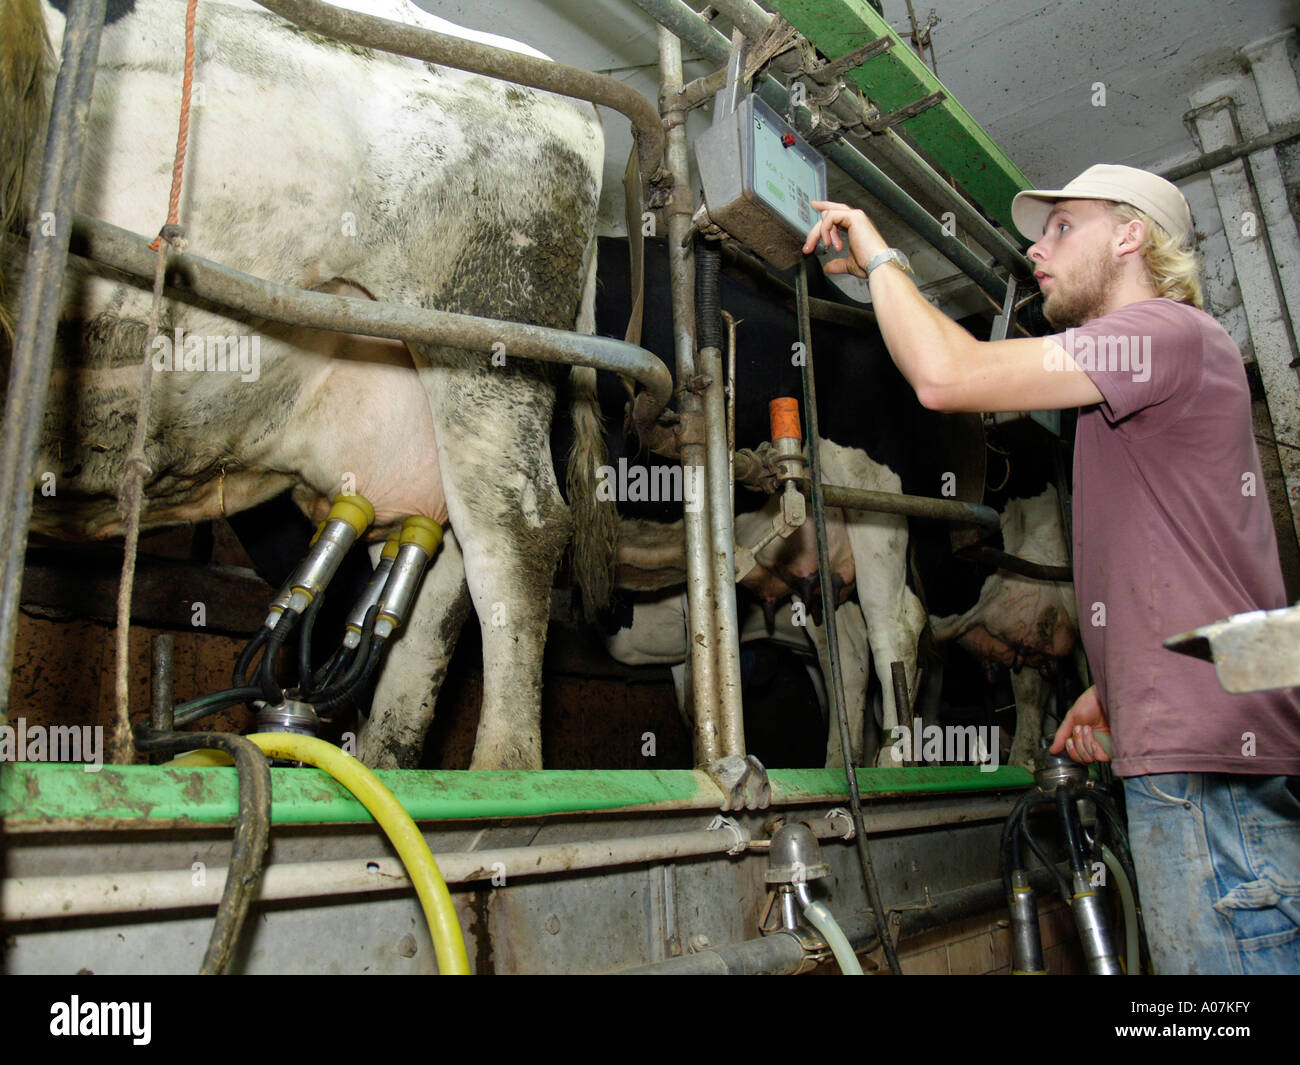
1265,911
1170,789
1257,911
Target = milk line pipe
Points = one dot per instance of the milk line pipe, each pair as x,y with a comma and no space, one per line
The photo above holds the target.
714,46
38,310
701,591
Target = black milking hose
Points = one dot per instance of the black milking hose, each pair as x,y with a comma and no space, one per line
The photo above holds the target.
252,831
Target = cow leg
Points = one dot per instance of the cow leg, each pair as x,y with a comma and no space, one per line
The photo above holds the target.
893,613
1032,693
512,524
416,666
851,628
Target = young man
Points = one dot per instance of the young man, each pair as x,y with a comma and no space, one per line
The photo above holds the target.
1171,531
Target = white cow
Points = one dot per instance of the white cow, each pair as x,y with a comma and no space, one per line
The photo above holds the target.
321,165
882,625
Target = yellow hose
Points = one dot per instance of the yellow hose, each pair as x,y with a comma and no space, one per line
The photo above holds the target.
448,942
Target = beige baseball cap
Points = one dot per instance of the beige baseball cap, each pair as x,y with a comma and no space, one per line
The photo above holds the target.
1108,181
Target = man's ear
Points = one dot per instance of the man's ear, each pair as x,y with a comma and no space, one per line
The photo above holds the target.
1131,236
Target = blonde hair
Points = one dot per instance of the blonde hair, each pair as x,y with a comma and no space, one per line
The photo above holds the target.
1174,271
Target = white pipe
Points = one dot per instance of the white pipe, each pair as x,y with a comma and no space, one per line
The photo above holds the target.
39,897
43,897
824,922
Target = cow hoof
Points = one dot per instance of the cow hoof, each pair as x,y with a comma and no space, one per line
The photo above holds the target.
889,758
742,781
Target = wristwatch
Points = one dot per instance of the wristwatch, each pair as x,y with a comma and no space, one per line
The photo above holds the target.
889,255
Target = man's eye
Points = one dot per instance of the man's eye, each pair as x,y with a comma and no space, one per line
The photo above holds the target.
1061,227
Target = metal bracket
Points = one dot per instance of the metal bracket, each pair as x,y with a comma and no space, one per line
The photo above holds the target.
838,67
690,429
1002,323
884,122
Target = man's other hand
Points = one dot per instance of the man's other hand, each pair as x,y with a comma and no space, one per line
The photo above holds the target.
1081,731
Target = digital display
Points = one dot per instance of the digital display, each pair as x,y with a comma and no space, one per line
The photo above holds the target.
785,178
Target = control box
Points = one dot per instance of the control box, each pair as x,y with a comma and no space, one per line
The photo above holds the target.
760,178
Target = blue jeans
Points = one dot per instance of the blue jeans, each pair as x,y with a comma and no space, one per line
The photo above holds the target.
1218,866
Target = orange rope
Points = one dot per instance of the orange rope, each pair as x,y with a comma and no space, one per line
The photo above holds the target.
130,496
183,133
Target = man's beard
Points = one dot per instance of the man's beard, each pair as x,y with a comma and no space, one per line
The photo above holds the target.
1084,298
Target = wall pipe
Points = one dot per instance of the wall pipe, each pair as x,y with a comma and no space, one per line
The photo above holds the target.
192,276
501,63
1229,152
686,24
38,313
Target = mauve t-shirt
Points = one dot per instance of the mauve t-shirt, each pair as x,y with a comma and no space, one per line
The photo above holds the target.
1172,531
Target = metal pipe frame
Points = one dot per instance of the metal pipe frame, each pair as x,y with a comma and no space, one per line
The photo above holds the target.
192,277
899,503
38,315
701,590
722,555
714,46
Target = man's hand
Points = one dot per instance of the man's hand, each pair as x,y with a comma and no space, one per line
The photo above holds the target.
1079,733
865,243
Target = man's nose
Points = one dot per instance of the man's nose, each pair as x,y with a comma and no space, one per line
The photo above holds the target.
1036,253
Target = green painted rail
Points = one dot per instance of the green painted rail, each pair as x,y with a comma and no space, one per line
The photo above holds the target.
53,795
946,132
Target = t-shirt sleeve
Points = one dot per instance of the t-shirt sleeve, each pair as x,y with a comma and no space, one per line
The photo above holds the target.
1145,359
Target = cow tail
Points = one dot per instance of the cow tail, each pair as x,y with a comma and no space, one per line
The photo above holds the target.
595,521
25,61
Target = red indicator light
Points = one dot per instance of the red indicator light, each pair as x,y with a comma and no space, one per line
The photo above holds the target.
788,140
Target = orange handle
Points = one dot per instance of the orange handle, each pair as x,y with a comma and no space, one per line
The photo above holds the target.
784,413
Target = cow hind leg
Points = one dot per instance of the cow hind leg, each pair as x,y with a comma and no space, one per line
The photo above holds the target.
512,525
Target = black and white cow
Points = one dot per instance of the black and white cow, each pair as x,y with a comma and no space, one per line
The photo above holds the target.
325,166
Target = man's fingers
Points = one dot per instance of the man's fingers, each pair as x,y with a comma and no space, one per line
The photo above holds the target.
845,264
1063,733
